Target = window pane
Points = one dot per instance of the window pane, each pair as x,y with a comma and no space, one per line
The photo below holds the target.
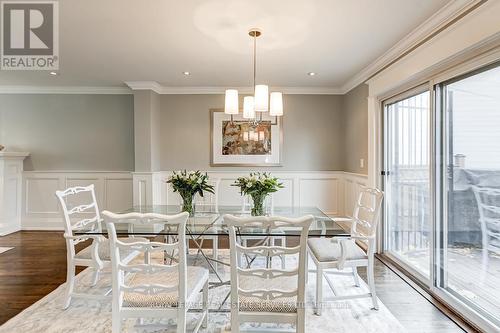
407,213
471,269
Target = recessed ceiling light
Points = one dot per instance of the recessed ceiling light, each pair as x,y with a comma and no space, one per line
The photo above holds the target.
186,73
311,73
53,73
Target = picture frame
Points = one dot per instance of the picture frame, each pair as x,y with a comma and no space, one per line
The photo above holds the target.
239,143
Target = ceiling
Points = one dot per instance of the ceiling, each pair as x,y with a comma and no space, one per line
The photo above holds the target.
105,43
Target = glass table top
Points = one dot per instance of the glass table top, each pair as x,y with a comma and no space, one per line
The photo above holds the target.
207,223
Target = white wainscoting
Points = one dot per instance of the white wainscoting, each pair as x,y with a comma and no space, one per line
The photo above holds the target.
352,185
40,207
327,190
332,191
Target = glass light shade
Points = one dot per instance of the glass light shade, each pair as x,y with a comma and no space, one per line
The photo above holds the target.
231,103
261,98
276,104
255,136
248,107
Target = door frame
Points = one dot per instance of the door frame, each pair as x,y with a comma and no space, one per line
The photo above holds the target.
408,93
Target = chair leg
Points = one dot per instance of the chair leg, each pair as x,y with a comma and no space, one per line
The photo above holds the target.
205,305
116,325
235,323
371,284
485,263
355,276
70,284
181,319
301,320
319,290
95,277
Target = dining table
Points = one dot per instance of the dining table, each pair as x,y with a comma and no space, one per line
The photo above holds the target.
208,223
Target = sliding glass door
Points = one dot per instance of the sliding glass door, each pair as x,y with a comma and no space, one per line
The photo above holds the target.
406,181
469,263
441,177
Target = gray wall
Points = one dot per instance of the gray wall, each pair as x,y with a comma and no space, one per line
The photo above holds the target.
70,132
355,124
312,130
96,132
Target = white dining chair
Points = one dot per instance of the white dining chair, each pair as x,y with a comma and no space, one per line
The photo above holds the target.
488,204
246,207
78,230
156,288
333,255
267,295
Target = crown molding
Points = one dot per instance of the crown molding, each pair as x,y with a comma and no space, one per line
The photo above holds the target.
144,85
65,90
164,90
451,12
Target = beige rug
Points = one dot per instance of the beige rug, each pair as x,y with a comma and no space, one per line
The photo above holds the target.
46,316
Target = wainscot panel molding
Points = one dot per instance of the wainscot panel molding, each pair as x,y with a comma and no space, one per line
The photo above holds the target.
328,190
40,210
332,191
353,182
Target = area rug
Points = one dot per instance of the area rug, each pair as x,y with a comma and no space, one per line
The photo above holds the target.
46,315
5,249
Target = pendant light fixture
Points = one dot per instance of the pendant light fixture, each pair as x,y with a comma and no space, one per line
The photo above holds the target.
260,102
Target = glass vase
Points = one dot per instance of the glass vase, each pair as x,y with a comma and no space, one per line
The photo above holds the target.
258,205
188,203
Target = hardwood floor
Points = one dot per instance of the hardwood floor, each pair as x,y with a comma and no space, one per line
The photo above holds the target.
32,269
412,310
37,265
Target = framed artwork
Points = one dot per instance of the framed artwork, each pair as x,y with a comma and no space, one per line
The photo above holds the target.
243,143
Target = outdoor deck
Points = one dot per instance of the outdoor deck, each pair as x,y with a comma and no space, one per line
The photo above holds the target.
466,275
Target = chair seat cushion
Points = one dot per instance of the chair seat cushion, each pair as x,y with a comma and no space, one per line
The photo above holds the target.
103,250
196,277
325,250
256,304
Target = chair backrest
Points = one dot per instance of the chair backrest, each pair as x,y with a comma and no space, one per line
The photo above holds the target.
488,204
177,249
239,224
366,214
246,203
72,214
209,203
